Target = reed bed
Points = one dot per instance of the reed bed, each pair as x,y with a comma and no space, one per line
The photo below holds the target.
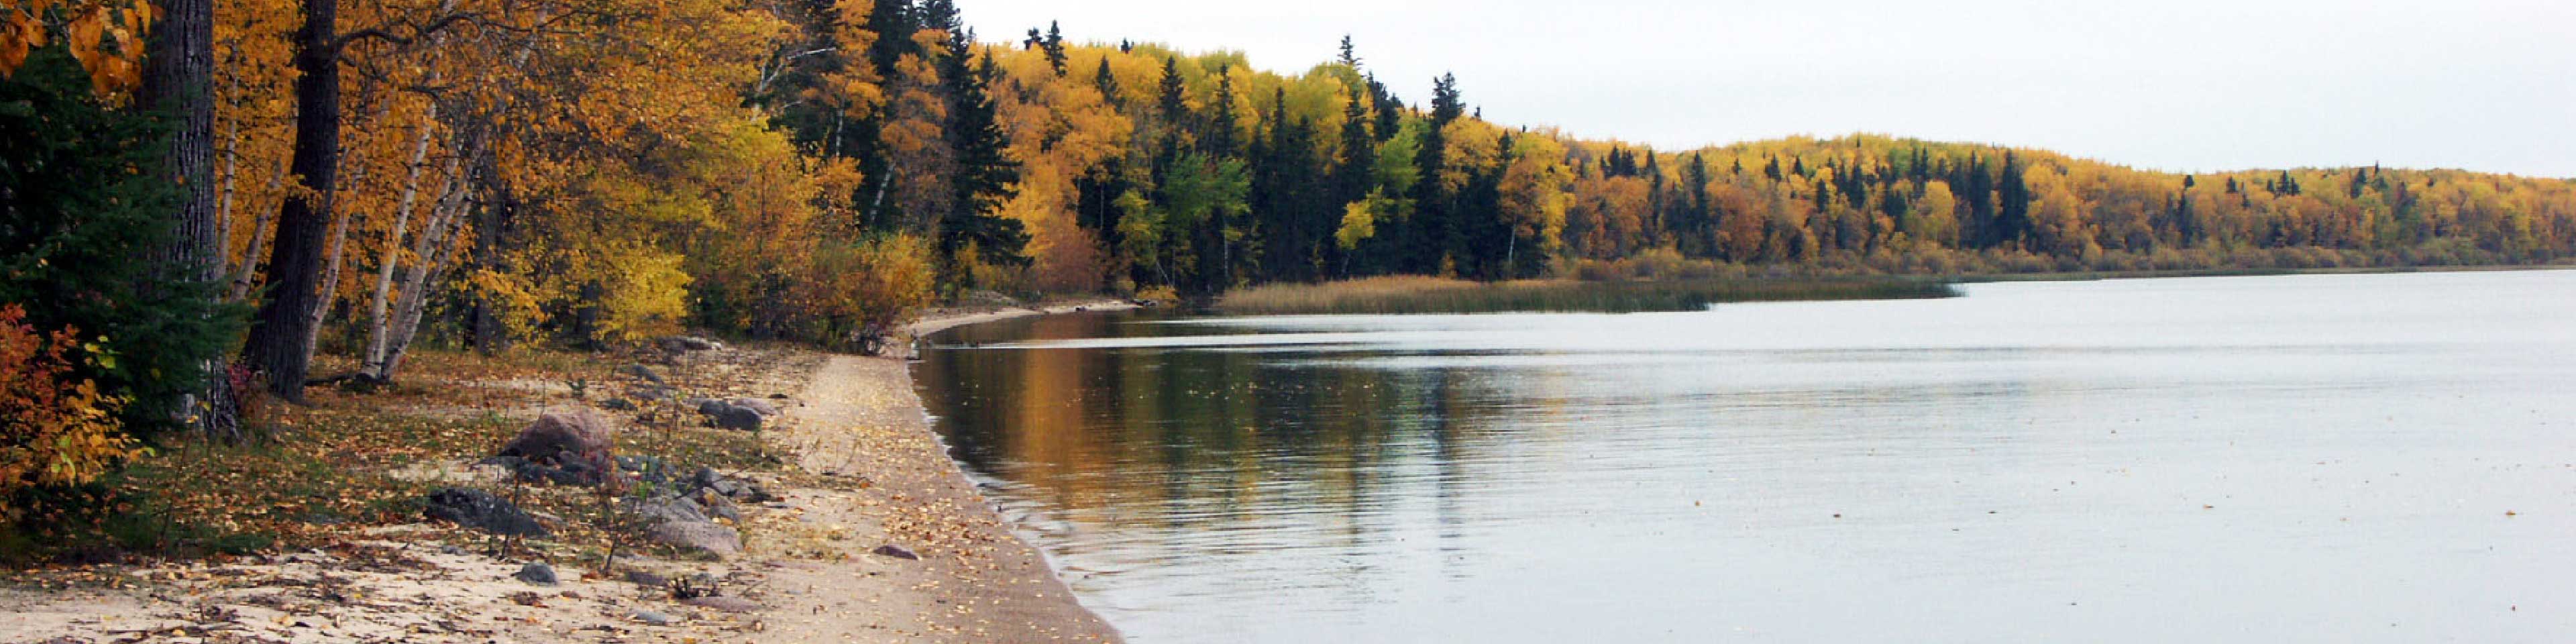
1432,295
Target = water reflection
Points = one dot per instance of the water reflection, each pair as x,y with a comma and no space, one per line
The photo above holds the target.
2030,462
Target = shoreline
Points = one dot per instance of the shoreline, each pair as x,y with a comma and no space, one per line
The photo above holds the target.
977,579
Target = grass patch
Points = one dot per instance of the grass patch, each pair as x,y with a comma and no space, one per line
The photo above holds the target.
1431,295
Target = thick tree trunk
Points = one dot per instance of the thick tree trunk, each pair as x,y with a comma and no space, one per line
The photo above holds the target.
281,347
179,79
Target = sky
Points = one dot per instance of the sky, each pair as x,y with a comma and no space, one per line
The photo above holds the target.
2178,85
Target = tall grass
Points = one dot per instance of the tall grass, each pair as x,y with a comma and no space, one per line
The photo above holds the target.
1423,295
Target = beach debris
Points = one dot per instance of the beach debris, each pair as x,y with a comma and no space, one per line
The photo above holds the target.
482,511
895,551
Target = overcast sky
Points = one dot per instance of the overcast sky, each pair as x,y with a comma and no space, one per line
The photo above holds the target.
2189,85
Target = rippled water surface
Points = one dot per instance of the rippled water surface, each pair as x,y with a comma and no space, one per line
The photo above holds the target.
2383,458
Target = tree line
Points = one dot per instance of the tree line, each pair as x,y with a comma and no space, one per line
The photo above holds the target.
214,196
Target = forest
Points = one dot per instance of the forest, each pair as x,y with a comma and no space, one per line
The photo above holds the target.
203,200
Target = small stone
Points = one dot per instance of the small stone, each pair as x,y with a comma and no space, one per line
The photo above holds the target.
653,618
895,551
647,579
537,572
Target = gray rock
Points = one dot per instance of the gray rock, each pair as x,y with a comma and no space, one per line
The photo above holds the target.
482,511
537,572
895,551
698,538
653,618
757,406
707,406
718,505
641,372
726,604
647,579
617,404
671,511
739,419
684,344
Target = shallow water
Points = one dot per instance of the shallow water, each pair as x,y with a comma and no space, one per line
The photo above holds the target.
2378,458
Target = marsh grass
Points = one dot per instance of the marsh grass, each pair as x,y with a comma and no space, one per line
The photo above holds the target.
1431,295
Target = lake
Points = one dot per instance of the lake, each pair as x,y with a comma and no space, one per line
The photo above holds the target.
2334,458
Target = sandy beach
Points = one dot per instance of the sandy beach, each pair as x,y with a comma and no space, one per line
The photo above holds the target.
877,537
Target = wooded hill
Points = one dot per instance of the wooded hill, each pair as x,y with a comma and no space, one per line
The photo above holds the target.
206,183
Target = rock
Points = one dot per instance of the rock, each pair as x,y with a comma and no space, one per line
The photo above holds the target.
577,442
480,510
726,604
641,372
697,537
685,344
617,404
671,511
652,618
537,572
739,419
757,406
707,406
895,551
647,579
718,505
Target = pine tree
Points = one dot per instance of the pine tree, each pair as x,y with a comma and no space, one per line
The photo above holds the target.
2012,221
1106,82
985,174
1350,53
1055,47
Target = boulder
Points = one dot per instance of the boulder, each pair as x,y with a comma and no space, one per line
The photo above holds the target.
719,506
697,537
566,447
765,408
482,511
671,511
537,572
738,419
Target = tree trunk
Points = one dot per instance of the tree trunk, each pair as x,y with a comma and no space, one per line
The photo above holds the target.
379,305
436,249
281,347
179,79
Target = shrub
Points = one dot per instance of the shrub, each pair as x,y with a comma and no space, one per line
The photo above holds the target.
56,429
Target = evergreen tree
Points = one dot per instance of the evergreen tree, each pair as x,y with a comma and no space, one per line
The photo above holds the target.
2012,219
1433,231
1055,47
1698,232
1106,82
985,174
84,201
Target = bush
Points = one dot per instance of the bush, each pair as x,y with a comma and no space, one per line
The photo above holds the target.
56,429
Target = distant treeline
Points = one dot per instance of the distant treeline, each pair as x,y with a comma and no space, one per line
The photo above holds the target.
1135,166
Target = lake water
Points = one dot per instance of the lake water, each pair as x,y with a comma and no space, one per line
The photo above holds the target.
2364,458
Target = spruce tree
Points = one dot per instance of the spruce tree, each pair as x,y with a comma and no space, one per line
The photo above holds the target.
1055,47
1106,82
2012,220
84,203
985,174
